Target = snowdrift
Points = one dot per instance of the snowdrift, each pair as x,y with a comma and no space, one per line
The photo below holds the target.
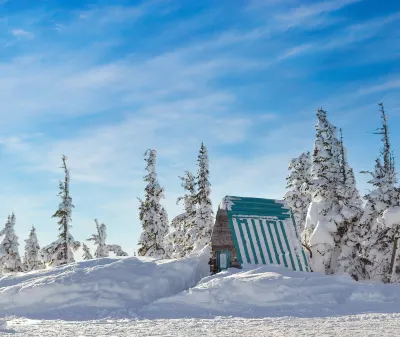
271,291
110,287
156,289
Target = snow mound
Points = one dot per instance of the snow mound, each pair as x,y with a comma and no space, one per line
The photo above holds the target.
271,291
109,287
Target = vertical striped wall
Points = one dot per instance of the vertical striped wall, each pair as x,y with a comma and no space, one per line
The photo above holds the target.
264,240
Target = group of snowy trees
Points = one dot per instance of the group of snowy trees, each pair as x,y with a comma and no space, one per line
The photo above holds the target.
189,231
341,233
57,253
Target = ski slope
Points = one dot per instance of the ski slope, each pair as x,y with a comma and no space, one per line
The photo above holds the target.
148,297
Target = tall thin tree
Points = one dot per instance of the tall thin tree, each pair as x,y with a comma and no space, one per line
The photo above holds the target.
324,222
377,240
204,213
351,210
60,252
152,215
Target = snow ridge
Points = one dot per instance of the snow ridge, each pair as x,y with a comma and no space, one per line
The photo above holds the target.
108,287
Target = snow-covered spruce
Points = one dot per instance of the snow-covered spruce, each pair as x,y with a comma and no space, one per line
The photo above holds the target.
10,260
325,226
60,252
378,240
32,259
152,215
87,255
351,210
179,242
298,197
204,214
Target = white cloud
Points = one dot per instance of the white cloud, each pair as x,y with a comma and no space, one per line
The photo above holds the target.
21,33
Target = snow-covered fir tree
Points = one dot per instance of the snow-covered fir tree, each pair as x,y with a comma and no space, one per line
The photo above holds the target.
60,252
204,213
32,259
179,242
298,197
377,238
351,208
10,260
87,255
152,215
324,220
99,240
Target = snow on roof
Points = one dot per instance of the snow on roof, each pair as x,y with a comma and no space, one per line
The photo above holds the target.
227,203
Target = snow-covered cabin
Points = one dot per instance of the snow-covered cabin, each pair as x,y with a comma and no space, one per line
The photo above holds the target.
255,231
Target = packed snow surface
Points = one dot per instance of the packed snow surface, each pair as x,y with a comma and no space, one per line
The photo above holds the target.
380,325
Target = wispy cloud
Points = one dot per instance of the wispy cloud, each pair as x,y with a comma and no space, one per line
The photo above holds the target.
385,86
21,33
112,14
298,15
345,37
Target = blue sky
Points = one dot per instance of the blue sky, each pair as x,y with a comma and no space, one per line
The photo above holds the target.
102,81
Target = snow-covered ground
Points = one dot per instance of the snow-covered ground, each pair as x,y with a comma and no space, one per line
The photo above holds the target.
147,297
344,326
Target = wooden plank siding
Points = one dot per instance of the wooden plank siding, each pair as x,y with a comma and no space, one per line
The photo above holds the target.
222,238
